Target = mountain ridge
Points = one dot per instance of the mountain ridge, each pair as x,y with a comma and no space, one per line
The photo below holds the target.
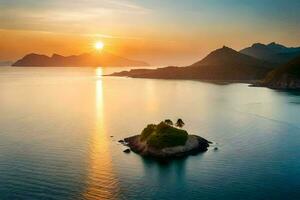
272,52
83,60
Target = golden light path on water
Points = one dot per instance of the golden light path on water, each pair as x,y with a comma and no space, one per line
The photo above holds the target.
102,183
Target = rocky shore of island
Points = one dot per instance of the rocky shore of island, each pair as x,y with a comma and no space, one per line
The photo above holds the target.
194,144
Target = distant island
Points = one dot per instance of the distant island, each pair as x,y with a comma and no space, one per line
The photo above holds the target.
103,58
164,140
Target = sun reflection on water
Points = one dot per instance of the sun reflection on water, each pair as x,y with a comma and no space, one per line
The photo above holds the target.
102,182
151,97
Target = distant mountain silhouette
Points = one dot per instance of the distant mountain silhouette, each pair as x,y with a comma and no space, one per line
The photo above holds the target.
286,76
88,59
223,64
273,52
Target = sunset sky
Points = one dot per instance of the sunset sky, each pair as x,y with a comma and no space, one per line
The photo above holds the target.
173,32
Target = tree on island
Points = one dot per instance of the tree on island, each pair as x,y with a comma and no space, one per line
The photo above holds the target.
169,122
163,135
179,123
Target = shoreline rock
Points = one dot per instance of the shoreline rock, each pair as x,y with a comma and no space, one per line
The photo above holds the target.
126,151
279,85
194,145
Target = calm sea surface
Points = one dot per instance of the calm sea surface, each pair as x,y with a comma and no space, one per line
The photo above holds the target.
56,128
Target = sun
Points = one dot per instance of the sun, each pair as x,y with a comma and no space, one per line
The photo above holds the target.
99,45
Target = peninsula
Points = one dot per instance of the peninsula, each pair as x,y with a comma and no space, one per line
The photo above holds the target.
273,65
224,64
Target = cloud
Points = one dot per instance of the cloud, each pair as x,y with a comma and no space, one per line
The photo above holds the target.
70,16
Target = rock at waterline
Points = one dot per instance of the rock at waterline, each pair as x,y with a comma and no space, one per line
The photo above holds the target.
126,151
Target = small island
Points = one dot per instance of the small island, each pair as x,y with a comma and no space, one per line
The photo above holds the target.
165,140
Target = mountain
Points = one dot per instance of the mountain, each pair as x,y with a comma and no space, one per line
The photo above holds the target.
5,63
286,76
223,64
83,60
273,52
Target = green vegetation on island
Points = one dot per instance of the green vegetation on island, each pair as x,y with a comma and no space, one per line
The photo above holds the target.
163,135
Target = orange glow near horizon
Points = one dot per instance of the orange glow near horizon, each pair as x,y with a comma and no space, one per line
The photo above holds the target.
156,50
152,32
